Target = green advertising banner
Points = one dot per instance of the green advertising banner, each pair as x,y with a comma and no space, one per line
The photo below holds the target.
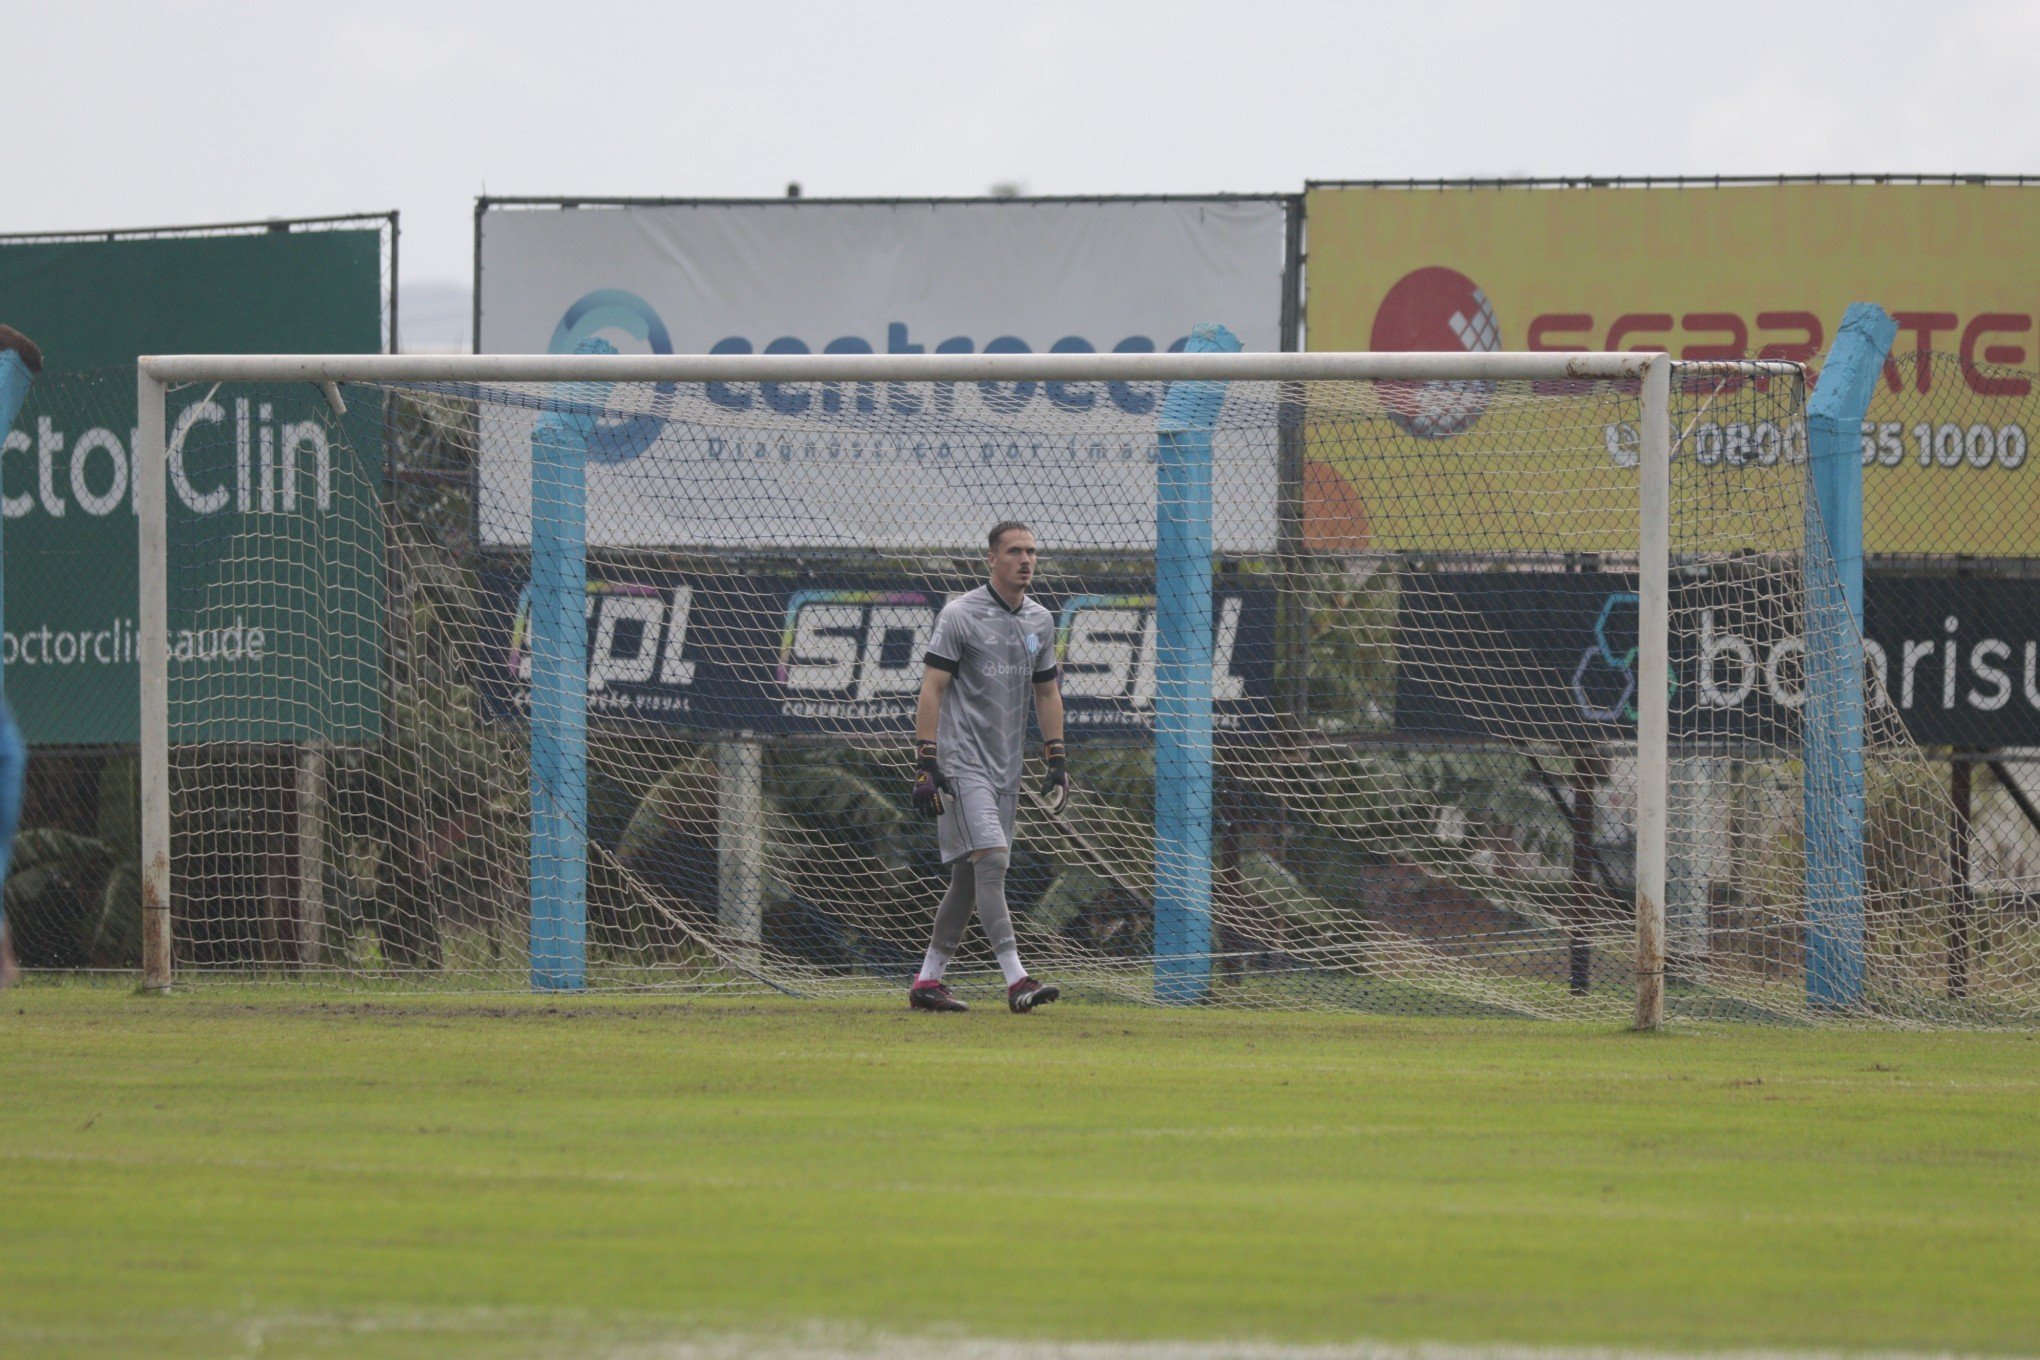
276,535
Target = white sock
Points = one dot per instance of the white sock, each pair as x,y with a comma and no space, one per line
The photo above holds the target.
933,966
1009,964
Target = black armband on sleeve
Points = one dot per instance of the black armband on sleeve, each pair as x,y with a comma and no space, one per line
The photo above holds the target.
943,663
1043,677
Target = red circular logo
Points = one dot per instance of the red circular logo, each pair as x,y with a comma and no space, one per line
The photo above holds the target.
1436,309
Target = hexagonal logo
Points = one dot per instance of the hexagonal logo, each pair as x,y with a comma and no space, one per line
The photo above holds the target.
1604,681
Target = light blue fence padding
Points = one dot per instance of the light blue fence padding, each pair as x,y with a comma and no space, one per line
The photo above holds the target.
1832,719
13,768
1183,776
14,381
559,681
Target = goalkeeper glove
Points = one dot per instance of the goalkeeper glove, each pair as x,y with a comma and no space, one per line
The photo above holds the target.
1055,785
929,785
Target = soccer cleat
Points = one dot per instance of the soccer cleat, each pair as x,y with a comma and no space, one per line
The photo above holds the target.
1026,994
933,996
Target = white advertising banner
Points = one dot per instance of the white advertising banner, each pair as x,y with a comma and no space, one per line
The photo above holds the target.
684,468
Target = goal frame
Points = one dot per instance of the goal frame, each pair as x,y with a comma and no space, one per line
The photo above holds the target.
1653,372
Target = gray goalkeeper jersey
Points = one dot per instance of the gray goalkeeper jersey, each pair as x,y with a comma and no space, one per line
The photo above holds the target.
995,656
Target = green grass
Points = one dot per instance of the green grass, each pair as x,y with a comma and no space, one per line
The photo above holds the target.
266,1172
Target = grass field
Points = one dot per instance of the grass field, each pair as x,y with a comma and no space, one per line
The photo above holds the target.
268,1173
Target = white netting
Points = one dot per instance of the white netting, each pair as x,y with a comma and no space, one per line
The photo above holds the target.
1424,632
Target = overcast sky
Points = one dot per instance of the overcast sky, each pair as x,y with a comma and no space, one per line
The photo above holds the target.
131,115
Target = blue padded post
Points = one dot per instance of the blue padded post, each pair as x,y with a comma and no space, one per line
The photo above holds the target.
14,381
1183,780
1831,722
559,681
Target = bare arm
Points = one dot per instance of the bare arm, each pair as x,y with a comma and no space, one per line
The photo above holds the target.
928,711
1048,710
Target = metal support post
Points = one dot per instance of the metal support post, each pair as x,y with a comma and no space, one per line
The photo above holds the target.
1653,686
152,643
1292,609
311,850
1697,807
1961,906
740,844
1589,768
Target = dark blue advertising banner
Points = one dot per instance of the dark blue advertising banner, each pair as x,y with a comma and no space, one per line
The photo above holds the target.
1551,657
1959,656
778,653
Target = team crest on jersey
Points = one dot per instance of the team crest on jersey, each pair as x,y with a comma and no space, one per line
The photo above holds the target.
1033,644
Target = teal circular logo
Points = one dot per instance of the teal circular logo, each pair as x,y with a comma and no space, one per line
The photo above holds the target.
628,322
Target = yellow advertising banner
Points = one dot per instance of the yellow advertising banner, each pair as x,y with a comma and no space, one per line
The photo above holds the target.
1700,271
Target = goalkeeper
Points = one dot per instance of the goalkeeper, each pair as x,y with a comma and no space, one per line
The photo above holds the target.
990,648
20,360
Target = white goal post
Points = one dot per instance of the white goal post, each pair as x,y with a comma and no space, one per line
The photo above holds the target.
1651,377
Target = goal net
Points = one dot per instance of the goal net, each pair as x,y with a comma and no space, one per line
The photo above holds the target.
602,674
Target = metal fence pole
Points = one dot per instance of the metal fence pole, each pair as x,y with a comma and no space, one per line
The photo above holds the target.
152,639
1653,684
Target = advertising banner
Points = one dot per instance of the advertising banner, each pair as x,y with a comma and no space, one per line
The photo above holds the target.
67,485
1551,657
845,467
1706,272
800,652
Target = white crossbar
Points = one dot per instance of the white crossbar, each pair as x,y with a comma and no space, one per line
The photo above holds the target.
455,368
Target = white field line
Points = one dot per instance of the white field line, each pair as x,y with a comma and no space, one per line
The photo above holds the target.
986,1348
900,1348
537,1334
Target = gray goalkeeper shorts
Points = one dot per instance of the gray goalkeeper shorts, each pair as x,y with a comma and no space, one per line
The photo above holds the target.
975,816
